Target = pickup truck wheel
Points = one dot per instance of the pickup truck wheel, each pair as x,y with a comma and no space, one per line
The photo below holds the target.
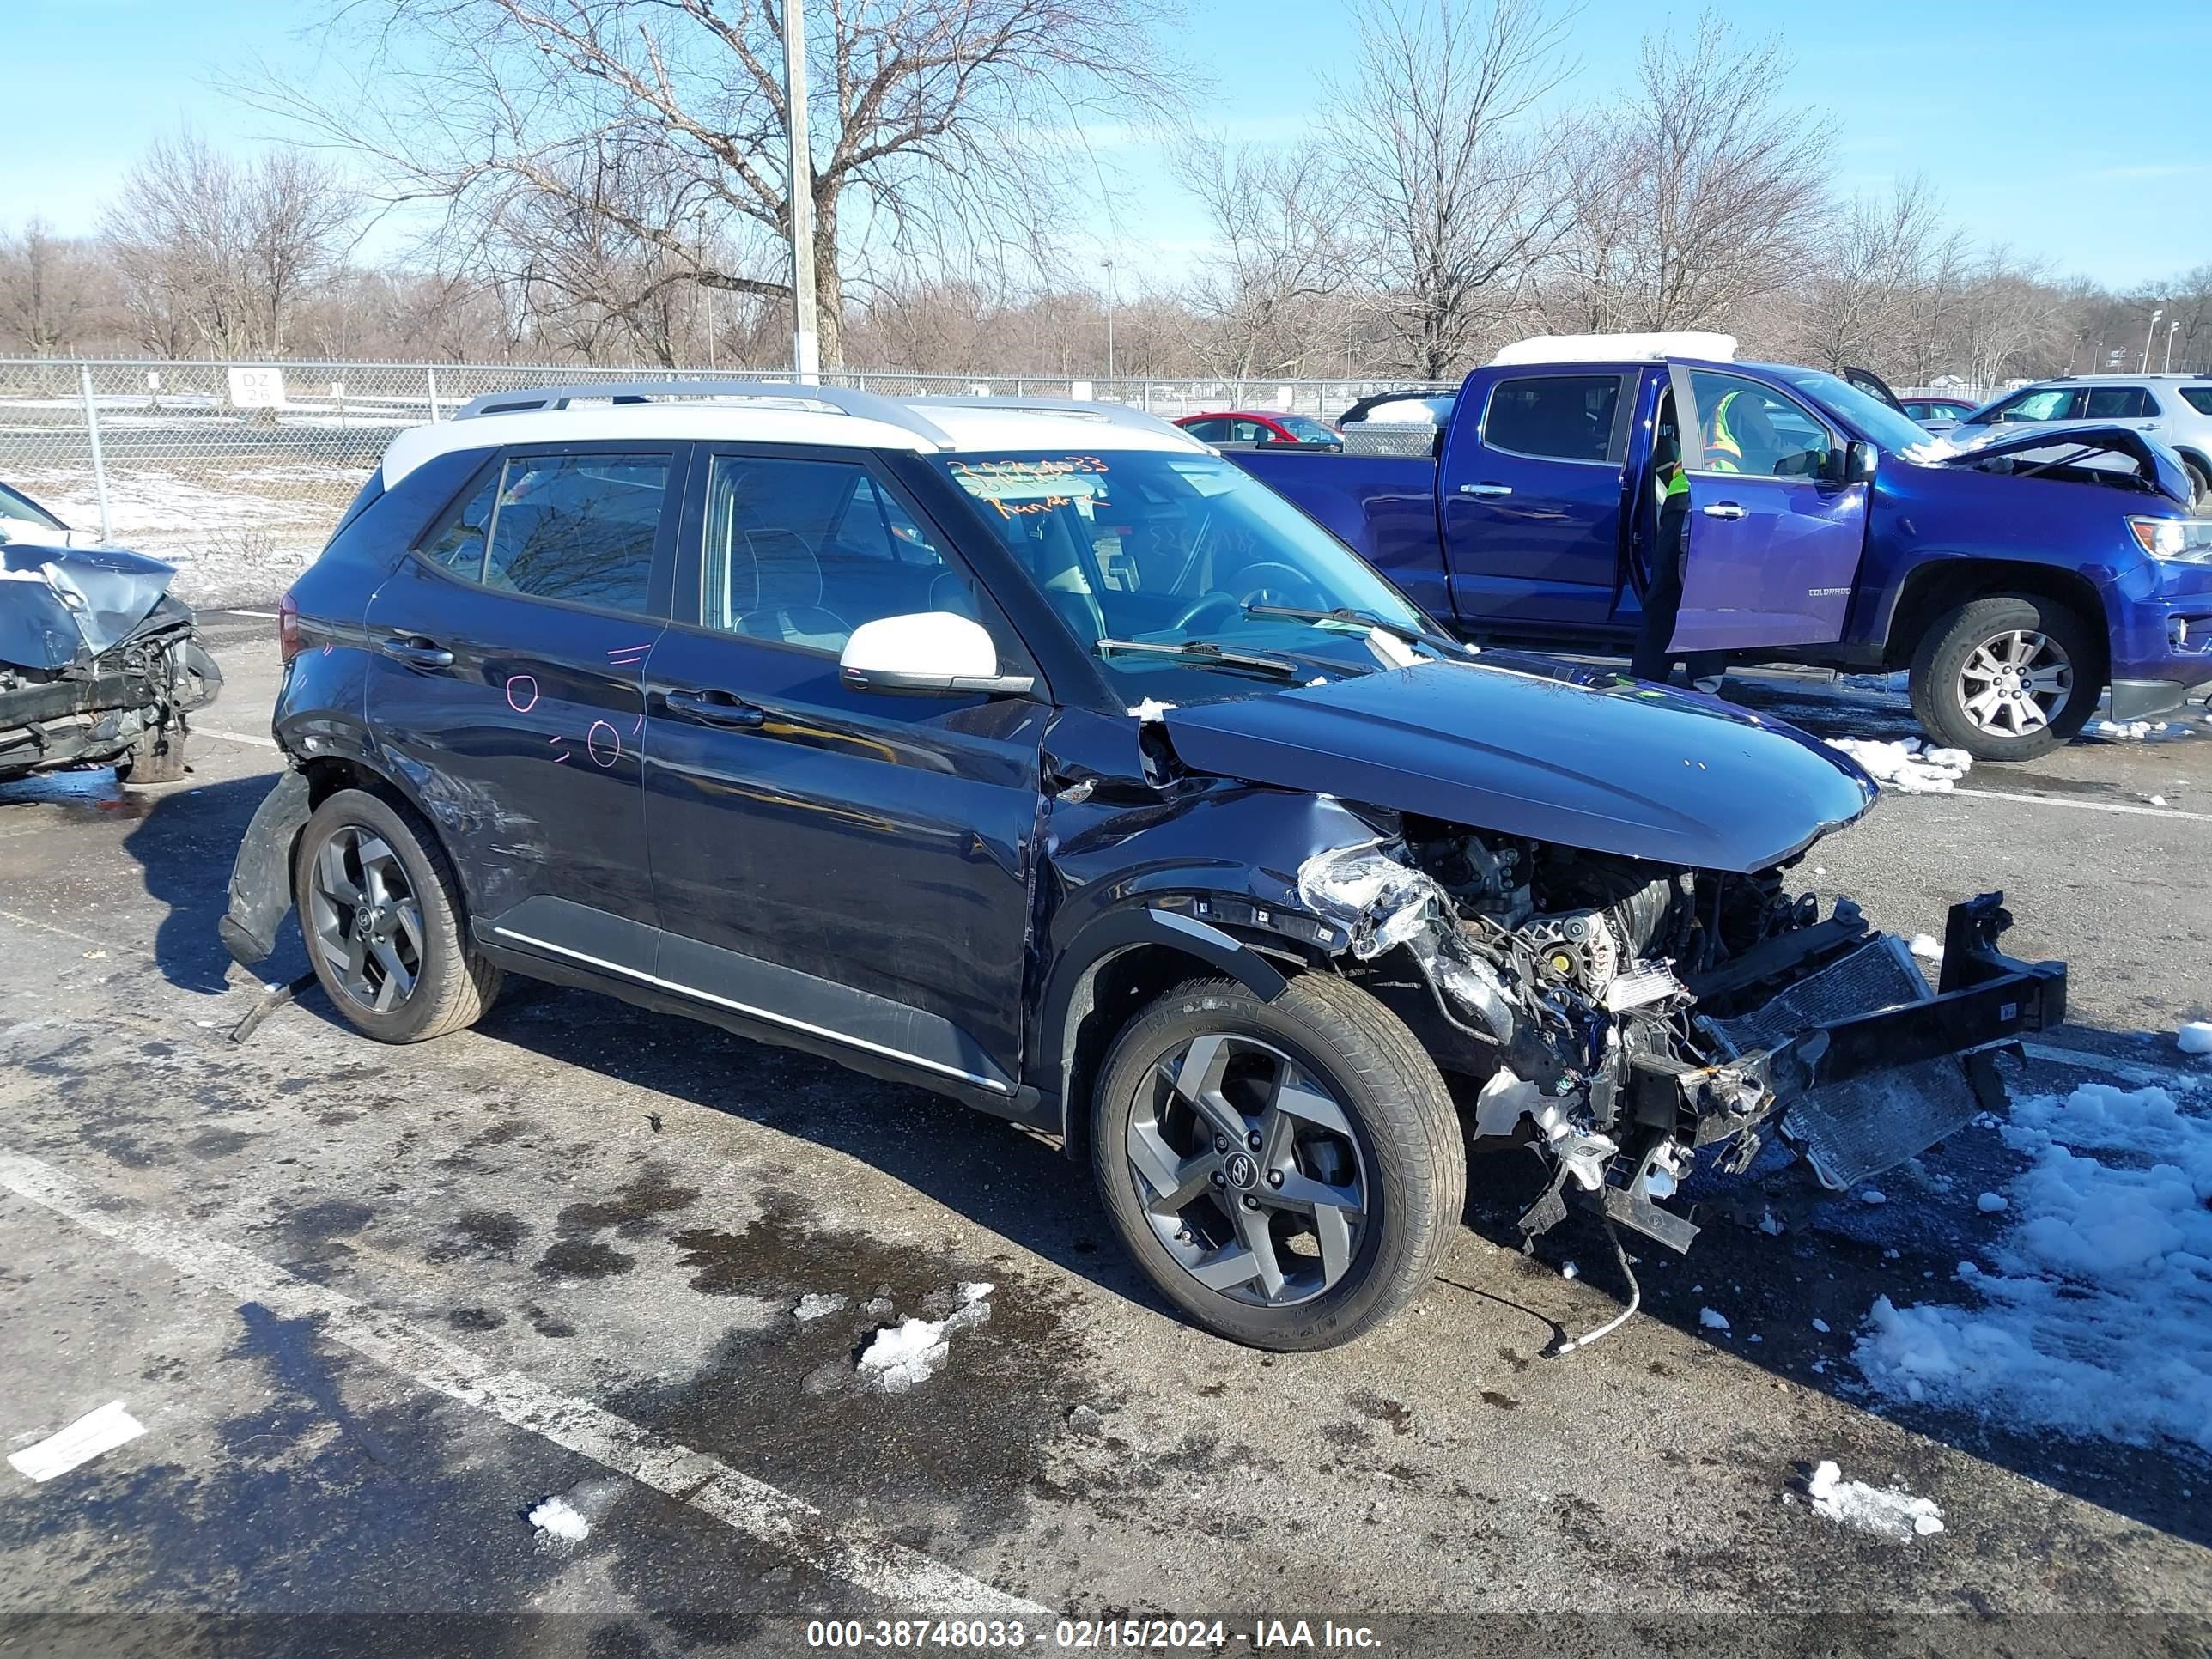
2005,678
380,909
1287,1173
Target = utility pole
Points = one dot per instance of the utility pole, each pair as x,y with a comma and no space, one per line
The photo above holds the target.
2147,333
1109,264
806,342
699,214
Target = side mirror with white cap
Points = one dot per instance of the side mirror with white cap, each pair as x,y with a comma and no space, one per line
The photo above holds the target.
927,653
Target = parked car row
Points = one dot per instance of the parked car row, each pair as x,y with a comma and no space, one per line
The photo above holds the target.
1042,756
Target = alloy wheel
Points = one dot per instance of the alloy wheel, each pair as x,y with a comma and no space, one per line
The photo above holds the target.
1248,1171
364,918
2014,683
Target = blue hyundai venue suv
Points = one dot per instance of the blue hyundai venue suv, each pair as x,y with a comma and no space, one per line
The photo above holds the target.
1035,754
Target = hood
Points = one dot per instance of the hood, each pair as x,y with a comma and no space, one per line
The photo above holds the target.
1524,746
2149,460
55,602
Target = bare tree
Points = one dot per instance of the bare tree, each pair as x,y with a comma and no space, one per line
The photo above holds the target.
1259,298
219,253
1698,195
931,119
1877,293
49,290
1458,189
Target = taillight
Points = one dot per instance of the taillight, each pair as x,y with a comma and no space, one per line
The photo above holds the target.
287,629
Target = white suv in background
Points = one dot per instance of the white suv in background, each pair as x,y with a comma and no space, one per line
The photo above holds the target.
2175,408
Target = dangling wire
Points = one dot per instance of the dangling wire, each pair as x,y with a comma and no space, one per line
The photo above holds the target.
1635,1297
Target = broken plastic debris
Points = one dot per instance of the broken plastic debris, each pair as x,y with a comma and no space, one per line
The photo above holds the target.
813,1306
1886,1511
95,1432
1712,1321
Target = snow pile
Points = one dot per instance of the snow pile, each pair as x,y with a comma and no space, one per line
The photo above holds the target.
1884,1510
557,1519
2126,732
1910,765
2097,1320
914,1350
1926,947
1151,709
815,1305
2196,1037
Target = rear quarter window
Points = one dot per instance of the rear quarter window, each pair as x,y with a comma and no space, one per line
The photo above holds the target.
2198,398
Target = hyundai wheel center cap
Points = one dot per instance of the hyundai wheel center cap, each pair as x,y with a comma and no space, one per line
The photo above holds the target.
1244,1174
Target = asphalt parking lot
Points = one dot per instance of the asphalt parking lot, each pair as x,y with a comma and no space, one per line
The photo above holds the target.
372,1305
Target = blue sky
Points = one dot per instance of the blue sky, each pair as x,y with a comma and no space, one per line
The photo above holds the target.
2081,134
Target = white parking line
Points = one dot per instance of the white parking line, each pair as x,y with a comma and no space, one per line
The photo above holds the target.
835,1549
233,737
2083,806
266,615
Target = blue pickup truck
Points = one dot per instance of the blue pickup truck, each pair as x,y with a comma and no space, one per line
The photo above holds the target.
2016,580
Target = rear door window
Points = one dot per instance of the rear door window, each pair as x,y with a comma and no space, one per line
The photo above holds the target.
2117,402
579,528
1564,418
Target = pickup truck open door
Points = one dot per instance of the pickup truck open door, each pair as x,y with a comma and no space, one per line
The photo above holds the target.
1777,521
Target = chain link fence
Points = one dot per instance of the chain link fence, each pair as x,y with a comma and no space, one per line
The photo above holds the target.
235,472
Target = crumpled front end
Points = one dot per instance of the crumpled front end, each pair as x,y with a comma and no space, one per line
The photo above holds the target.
1627,1017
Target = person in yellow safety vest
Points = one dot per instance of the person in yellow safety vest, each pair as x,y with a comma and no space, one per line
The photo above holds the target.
1662,596
1738,419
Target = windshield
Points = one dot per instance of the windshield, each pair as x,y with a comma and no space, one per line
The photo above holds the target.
1173,547
1875,418
21,509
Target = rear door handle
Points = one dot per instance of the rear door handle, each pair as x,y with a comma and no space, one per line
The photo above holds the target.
1722,510
715,708
1485,489
420,652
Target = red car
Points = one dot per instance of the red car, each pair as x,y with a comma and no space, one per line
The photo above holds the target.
1243,426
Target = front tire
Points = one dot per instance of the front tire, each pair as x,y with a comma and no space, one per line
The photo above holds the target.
380,909
2005,678
2200,488
1289,1173
158,756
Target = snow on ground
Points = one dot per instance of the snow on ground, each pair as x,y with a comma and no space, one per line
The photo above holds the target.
818,1305
556,1519
914,1350
570,1515
1886,1511
2196,1037
235,532
1910,765
1927,947
2096,1320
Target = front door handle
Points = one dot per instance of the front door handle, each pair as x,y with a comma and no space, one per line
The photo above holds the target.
1722,510
420,652
716,708
1485,489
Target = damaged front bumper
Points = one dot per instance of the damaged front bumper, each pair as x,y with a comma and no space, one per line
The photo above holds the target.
1819,1029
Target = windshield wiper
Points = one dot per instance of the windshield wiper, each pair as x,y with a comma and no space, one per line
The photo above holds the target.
1205,652
1345,613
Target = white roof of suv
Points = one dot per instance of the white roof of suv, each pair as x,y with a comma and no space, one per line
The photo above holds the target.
764,412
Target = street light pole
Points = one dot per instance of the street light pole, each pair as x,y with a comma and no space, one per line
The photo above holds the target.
1109,264
2170,327
805,341
699,214
2147,333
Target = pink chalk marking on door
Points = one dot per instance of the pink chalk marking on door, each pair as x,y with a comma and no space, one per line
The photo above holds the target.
512,695
591,743
640,726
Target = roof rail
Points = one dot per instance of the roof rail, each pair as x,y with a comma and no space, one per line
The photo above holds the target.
1113,414
843,400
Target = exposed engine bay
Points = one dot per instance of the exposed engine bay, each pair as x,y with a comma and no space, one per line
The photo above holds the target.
1623,1016
99,665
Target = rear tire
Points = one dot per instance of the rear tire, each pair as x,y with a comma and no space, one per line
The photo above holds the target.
1988,670
1337,1101
380,909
